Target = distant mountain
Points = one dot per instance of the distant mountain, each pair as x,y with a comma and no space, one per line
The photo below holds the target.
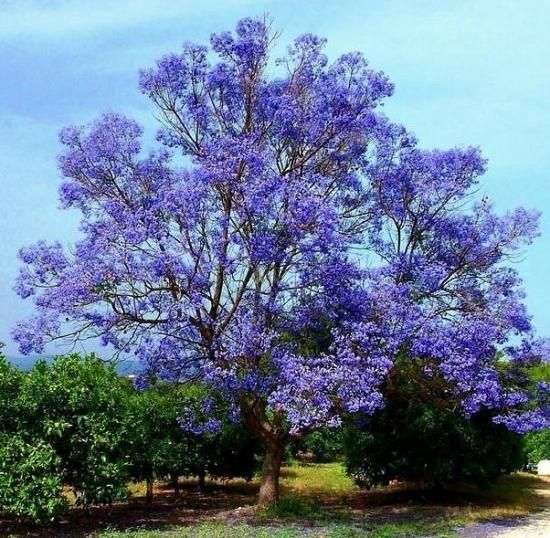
124,367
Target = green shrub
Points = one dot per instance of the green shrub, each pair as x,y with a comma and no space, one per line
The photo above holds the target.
293,507
31,485
420,435
537,444
411,440
321,446
234,452
11,380
537,447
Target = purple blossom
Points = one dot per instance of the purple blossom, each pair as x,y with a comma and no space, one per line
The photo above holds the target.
298,206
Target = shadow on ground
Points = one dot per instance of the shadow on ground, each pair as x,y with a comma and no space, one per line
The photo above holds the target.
221,502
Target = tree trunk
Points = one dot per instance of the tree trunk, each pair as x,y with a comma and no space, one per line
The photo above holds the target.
271,432
176,484
149,491
202,481
271,471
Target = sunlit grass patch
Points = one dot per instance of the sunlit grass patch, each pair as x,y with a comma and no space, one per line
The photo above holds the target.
314,479
514,495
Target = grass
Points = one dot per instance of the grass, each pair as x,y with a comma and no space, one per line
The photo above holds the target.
316,479
291,506
441,529
511,496
216,530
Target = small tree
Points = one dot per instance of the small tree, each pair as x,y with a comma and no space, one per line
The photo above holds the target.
156,442
161,447
11,380
31,485
77,406
221,445
279,199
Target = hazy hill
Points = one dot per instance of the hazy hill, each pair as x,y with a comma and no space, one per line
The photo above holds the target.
124,367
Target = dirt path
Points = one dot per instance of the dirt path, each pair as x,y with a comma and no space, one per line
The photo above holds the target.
536,525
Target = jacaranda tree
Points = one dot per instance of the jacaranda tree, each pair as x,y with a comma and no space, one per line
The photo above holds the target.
281,202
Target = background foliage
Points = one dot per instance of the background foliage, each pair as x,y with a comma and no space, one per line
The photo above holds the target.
419,442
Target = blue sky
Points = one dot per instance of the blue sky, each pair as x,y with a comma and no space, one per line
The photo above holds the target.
466,73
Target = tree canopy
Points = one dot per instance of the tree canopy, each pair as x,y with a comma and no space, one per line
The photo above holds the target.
281,202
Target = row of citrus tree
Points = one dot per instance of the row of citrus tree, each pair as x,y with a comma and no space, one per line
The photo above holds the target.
76,428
